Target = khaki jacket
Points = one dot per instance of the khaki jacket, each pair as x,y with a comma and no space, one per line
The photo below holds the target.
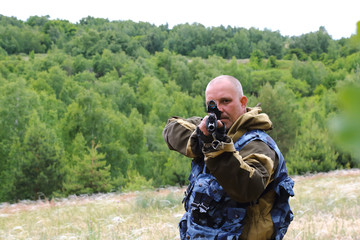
243,174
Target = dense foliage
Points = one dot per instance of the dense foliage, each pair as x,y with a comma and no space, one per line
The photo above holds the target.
82,106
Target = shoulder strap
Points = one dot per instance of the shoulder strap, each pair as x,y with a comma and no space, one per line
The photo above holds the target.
246,138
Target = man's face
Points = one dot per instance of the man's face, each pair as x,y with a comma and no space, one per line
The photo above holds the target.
228,101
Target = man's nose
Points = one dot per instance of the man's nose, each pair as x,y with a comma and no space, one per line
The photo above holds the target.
220,107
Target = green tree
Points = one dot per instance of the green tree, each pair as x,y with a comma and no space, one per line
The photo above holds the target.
37,21
135,181
241,39
256,59
314,43
179,71
313,150
81,64
59,31
226,49
184,38
201,74
201,51
70,91
177,169
118,40
93,116
16,105
155,40
272,63
9,36
33,40
186,106
352,62
89,172
40,160
274,44
260,77
130,72
280,104
56,79
87,42
106,62
121,95
149,89
313,73
297,53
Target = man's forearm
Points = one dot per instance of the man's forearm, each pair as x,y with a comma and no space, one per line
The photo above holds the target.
243,178
177,134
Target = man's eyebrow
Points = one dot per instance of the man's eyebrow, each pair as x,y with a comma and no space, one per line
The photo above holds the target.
225,98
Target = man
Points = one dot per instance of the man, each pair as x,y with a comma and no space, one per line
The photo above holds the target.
239,186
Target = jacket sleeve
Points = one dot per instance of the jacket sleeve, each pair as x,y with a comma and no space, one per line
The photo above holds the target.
179,134
243,174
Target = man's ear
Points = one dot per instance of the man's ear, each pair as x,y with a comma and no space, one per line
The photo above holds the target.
243,101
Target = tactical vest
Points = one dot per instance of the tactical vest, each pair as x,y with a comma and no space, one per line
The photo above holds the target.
212,214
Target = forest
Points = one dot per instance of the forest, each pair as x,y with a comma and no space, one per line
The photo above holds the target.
83,106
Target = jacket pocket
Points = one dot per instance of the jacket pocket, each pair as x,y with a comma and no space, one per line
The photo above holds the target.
183,226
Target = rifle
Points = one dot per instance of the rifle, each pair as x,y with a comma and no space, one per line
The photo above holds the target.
214,115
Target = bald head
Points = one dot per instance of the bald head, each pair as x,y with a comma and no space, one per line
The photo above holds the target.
227,92
236,83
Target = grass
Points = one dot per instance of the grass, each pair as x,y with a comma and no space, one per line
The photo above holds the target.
138,215
326,206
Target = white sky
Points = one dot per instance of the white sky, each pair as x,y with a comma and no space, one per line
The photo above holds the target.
291,18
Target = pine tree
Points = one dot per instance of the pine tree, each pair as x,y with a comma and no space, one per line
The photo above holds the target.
89,174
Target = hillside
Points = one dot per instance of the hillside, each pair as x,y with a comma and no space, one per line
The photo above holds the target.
326,206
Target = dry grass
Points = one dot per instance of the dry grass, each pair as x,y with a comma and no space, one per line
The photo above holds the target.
326,206
142,215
